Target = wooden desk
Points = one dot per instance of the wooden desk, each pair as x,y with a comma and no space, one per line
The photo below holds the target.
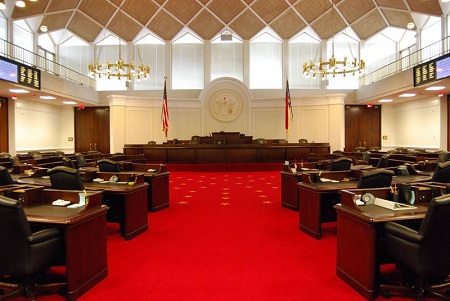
157,177
359,231
289,181
84,237
127,203
316,201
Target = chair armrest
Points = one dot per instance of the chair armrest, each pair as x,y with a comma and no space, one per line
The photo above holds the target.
403,232
43,235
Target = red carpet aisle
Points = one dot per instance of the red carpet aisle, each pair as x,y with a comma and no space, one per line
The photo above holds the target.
224,237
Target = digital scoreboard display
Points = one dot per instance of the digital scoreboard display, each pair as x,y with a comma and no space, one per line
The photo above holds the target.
21,74
432,71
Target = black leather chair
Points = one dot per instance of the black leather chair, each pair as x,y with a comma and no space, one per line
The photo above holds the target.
423,255
5,177
108,165
81,160
340,164
26,256
383,162
68,162
443,156
442,173
302,140
375,178
5,155
14,160
65,178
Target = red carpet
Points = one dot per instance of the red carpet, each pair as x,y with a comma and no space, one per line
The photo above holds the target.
224,237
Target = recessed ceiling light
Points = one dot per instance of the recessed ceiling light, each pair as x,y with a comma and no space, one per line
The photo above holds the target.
410,25
435,88
407,95
385,100
20,3
43,28
18,91
67,102
47,97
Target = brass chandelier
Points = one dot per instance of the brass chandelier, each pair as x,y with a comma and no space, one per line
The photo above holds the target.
119,69
333,66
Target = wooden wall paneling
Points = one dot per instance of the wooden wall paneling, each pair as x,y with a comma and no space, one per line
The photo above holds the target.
362,126
92,129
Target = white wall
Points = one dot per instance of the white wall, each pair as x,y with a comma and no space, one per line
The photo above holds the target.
414,124
38,126
137,120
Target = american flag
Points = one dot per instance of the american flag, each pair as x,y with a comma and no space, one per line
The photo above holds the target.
165,111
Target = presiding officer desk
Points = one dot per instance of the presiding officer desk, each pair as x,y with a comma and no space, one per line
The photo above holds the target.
127,201
225,147
360,228
83,229
316,199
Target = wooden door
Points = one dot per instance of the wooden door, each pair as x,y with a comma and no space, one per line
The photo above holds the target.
362,126
92,129
4,145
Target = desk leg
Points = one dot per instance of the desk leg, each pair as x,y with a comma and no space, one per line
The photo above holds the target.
86,256
310,212
357,255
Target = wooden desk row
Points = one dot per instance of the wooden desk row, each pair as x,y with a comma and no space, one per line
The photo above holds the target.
128,204
317,199
225,153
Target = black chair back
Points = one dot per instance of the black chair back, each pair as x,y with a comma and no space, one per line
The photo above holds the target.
435,229
365,156
108,165
383,162
444,156
68,162
81,160
5,176
13,237
65,178
375,178
442,173
340,164
15,160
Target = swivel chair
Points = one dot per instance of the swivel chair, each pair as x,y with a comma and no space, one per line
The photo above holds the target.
342,163
302,140
442,173
375,178
5,155
108,165
5,177
421,254
81,160
14,160
383,162
26,256
67,162
443,156
65,178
